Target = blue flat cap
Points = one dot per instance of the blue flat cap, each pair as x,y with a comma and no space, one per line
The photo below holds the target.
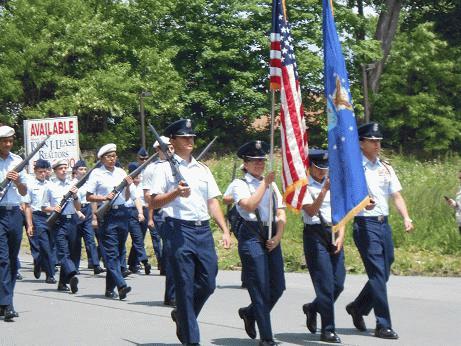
253,150
318,158
142,152
370,131
180,128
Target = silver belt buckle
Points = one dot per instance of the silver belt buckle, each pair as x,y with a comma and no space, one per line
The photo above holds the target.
198,223
380,218
9,207
68,216
115,207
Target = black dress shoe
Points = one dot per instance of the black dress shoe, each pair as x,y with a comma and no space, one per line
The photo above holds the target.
9,313
37,270
111,294
63,287
98,270
249,323
170,302
19,276
147,268
125,273
267,343
50,280
123,291
134,269
311,318
330,337
2,310
77,272
73,284
178,329
357,318
386,333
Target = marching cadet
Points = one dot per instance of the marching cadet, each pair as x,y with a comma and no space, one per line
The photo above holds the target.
84,228
135,222
36,219
11,222
65,229
187,205
157,225
114,225
261,257
373,234
157,243
324,260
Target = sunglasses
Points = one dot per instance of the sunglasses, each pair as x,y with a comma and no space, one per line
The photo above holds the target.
255,160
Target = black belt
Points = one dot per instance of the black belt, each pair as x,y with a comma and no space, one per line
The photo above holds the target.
67,216
40,213
9,207
191,223
380,218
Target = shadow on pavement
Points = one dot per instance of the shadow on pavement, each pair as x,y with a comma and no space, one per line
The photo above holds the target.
233,342
148,344
152,303
300,338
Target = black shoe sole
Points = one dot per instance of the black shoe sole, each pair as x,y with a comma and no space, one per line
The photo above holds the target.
307,312
178,330
74,284
251,332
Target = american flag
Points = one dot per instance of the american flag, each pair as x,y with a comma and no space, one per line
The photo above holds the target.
284,77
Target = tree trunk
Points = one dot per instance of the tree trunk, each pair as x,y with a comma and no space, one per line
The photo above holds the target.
385,32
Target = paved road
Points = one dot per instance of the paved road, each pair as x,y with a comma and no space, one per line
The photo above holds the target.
426,311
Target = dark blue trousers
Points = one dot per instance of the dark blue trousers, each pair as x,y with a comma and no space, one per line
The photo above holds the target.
373,239
86,231
45,242
195,266
327,272
114,232
162,228
264,277
11,222
34,243
66,237
157,241
138,251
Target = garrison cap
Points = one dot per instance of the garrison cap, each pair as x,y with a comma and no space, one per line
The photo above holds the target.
370,131
180,128
105,149
78,164
41,163
132,166
318,158
6,131
59,163
253,150
142,152
164,139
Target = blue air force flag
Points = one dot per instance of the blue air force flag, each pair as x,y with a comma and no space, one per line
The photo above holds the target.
349,193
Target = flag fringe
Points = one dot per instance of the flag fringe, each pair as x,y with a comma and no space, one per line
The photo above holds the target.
351,214
291,189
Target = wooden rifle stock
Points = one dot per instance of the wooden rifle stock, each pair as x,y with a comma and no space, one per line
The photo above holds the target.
104,208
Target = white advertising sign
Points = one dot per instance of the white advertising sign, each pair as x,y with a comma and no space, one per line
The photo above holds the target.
62,144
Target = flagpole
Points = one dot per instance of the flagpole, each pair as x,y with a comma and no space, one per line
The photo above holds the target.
271,163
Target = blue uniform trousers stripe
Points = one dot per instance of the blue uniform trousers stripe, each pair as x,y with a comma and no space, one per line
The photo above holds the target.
374,242
327,273
66,237
11,222
45,242
85,230
138,251
163,230
264,278
114,232
195,265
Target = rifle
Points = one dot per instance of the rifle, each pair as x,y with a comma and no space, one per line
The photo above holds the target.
204,151
65,199
104,208
171,160
6,183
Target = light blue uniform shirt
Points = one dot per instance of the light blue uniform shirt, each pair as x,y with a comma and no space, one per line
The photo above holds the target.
135,192
12,197
314,188
201,182
382,182
81,191
55,191
102,182
242,190
35,193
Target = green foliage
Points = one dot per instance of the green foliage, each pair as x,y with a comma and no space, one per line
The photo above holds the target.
418,99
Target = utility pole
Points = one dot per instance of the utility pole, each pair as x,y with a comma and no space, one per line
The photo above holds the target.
142,119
